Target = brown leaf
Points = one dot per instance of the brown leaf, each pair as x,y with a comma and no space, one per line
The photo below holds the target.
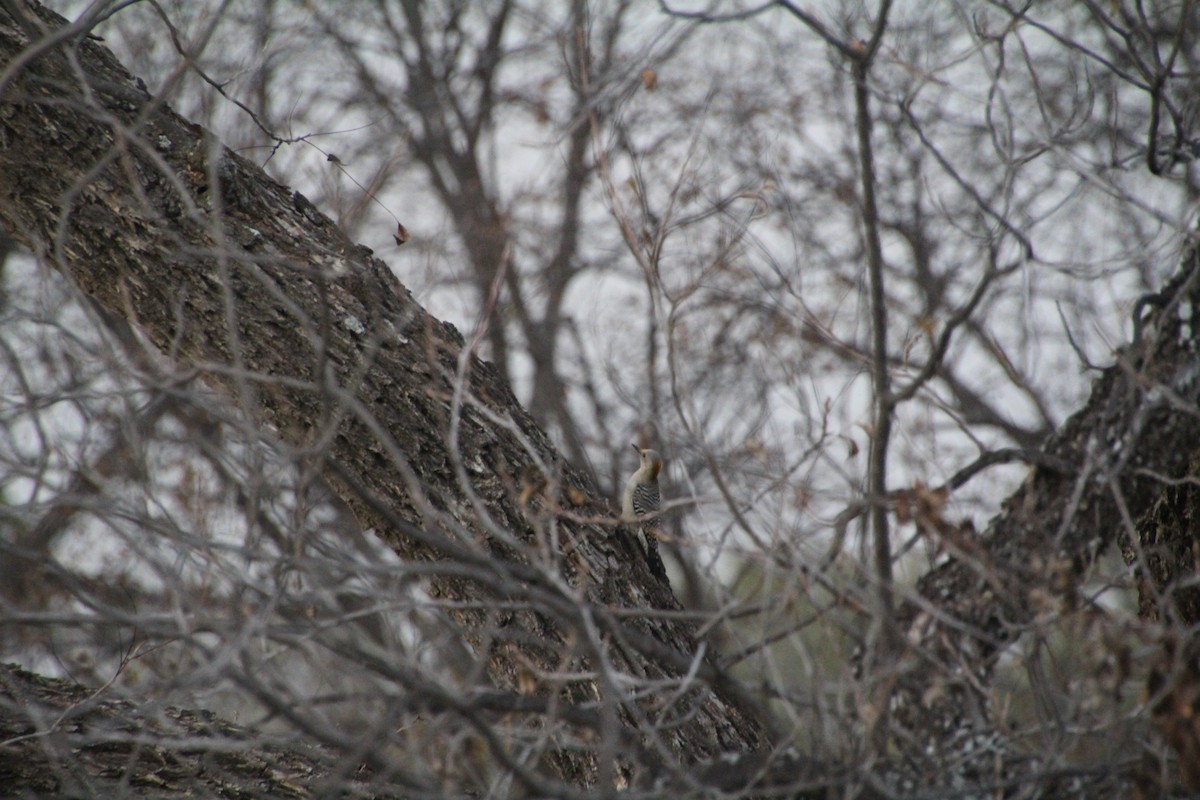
533,482
851,447
401,235
527,680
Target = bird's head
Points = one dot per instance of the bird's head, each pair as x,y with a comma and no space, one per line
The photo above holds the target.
651,459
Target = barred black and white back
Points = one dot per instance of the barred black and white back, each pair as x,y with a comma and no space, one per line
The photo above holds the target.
641,504
647,500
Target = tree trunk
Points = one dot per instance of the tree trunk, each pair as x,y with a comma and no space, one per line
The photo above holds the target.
246,283
1120,472
250,287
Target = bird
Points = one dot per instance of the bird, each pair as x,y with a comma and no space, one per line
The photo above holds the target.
641,504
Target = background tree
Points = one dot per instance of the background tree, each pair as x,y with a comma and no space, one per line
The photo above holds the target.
819,260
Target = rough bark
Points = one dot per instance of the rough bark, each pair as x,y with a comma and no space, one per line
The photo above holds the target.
248,286
1126,478
62,740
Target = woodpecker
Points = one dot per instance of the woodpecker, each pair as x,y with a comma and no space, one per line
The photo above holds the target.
641,504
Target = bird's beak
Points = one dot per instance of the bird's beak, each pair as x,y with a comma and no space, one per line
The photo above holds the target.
635,447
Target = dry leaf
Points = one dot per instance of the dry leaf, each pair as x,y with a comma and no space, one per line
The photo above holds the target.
851,447
527,681
533,482
401,235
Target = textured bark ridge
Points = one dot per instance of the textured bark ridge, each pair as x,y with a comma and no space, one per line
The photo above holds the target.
111,748
1128,474
245,284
